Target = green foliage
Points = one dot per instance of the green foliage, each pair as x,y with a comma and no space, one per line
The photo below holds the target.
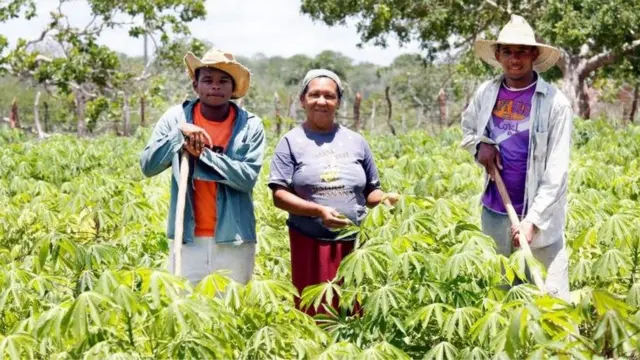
592,36
83,252
441,25
84,69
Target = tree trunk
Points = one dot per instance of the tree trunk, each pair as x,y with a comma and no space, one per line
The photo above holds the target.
293,112
345,113
575,70
574,89
127,116
419,111
634,104
356,111
80,114
14,121
404,123
386,94
46,116
372,118
442,102
145,49
276,103
36,117
142,114
577,67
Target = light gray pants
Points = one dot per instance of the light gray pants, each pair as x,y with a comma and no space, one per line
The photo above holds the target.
553,257
204,256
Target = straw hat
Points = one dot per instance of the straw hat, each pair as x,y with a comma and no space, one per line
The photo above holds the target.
518,32
225,61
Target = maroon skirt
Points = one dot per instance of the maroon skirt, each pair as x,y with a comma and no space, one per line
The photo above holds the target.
315,261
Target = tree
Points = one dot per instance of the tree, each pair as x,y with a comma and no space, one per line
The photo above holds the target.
334,61
79,67
591,34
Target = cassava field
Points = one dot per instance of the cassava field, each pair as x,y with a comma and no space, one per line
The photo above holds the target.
83,252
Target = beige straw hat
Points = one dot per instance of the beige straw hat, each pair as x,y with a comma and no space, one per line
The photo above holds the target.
517,32
225,61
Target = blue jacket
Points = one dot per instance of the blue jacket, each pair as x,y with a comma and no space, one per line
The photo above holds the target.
235,171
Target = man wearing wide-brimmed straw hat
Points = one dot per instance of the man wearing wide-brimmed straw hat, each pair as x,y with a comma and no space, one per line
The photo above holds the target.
521,125
226,144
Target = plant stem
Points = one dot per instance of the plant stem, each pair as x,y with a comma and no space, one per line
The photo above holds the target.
130,331
635,264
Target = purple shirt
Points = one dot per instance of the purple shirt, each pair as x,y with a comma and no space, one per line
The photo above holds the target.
509,128
334,169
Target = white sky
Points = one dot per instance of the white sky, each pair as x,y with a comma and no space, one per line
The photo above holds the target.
244,27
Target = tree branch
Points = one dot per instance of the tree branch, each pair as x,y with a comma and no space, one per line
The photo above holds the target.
62,14
79,88
39,39
585,48
36,118
473,36
86,28
563,61
154,41
495,5
145,75
413,92
607,57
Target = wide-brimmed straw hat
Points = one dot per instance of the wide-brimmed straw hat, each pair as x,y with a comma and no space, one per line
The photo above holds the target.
517,32
224,61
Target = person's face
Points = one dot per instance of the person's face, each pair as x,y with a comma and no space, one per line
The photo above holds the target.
214,87
516,60
321,101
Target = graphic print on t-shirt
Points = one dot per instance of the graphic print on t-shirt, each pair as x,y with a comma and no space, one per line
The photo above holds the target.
510,116
332,162
332,177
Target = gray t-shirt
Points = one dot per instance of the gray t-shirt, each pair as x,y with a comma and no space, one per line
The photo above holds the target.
334,169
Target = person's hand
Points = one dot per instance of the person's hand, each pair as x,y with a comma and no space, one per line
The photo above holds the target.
333,219
191,149
195,139
526,230
390,198
489,157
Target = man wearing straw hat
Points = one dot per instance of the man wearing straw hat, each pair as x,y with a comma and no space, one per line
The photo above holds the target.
226,144
520,125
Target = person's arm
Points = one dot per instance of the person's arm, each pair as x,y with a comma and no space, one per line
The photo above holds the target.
554,182
373,192
283,166
238,174
166,141
481,146
286,200
471,139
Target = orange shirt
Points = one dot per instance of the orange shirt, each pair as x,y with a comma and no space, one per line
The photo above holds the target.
204,204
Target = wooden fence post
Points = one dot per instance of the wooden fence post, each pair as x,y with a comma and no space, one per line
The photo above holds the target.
386,94
14,121
356,111
442,101
142,114
276,103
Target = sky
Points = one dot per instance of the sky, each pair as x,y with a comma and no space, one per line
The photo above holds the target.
243,27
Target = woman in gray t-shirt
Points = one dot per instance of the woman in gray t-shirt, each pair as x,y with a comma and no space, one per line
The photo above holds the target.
324,175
